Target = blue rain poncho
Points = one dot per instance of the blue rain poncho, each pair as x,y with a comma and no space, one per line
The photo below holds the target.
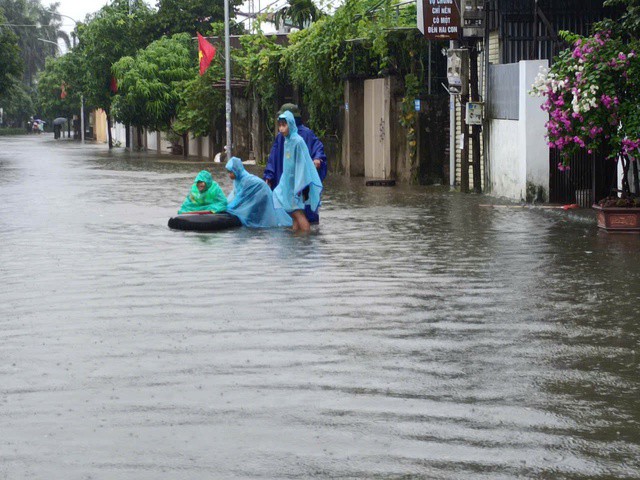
252,200
300,183
273,170
211,199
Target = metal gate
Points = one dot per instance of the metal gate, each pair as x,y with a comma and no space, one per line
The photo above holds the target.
590,177
433,141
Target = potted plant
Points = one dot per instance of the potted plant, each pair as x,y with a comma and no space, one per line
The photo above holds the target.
592,95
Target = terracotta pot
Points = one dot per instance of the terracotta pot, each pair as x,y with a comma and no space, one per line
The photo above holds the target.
618,219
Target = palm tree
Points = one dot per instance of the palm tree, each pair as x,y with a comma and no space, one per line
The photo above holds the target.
298,13
31,22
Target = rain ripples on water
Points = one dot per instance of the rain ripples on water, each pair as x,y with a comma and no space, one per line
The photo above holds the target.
414,334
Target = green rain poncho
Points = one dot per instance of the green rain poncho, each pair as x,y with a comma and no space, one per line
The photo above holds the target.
212,199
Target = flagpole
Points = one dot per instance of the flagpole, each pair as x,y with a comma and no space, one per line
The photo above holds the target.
227,73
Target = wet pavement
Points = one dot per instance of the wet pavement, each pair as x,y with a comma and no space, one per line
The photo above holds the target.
413,334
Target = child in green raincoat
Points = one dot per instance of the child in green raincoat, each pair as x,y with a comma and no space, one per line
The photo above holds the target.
205,195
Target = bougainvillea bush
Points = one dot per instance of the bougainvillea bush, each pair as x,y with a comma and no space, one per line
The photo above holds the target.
592,94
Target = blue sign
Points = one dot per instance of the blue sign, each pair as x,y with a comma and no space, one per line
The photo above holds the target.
417,104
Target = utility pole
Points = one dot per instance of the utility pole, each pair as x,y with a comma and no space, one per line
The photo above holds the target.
129,136
464,161
475,129
227,74
82,118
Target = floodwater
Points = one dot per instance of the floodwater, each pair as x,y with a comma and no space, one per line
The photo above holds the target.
414,334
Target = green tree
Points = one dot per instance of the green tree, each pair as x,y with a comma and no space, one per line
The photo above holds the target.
32,21
68,71
178,16
109,35
298,13
10,61
151,82
201,103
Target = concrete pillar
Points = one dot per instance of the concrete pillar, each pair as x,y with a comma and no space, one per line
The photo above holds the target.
353,141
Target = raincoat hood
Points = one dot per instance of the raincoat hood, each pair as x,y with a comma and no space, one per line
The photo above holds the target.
211,199
291,121
235,165
298,173
252,200
205,177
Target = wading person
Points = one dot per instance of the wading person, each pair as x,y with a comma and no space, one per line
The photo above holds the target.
205,196
273,170
299,184
252,200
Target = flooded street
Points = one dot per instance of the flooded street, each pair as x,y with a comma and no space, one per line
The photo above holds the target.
413,334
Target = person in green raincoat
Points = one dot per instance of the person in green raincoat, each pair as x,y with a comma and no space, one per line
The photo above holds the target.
205,195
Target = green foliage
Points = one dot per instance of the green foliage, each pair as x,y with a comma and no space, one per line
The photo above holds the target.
31,22
10,61
408,115
297,13
260,59
628,26
108,36
150,84
17,103
201,103
359,39
67,70
12,131
177,16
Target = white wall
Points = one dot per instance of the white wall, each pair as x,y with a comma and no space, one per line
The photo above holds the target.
157,142
518,152
119,134
508,177
532,121
193,146
152,141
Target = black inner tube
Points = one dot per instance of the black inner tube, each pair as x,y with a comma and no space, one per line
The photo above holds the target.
211,222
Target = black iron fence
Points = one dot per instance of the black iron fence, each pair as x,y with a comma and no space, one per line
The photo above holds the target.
589,178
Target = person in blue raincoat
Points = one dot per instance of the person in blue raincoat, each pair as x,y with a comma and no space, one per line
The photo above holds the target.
273,170
252,200
299,184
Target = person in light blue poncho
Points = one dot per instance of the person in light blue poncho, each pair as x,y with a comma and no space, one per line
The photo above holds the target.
300,183
252,200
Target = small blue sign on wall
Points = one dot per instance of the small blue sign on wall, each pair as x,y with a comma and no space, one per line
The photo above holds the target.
416,103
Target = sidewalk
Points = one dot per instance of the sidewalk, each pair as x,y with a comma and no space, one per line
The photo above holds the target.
579,214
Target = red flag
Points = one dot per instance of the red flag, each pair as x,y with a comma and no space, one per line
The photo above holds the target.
113,85
63,90
206,52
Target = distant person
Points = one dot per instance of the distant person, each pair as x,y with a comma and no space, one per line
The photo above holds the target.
299,186
252,200
76,127
205,195
273,170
